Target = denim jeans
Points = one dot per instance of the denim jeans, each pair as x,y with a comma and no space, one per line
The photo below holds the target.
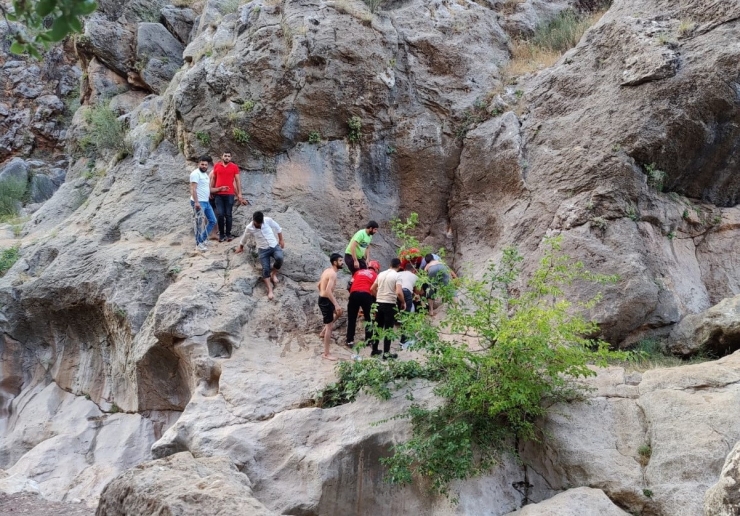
224,211
205,207
265,255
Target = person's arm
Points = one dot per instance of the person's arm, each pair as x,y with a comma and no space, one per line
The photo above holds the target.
278,231
243,240
374,289
238,188
452,273
353,252
399,295
194,195
331,284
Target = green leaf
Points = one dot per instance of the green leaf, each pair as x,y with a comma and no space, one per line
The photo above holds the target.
59,29
17,48
75,24
85,8
45,7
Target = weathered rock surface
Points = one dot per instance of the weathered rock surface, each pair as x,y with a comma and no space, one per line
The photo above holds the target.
179,21
182,485
158,55
715,331
582,501
723,498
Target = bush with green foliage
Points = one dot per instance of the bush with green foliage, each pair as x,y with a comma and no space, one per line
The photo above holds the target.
32,14
12,192
355,129
241,136
655,178
203,137
505,349
7,258
562,32
104,132
314,137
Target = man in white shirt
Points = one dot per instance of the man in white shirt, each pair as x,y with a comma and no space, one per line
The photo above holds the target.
387,289
200,191
268,237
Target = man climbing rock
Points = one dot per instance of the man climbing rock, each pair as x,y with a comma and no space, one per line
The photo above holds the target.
360,297
268,238
200,191
358,250
439,275
328,305
225,175
387,289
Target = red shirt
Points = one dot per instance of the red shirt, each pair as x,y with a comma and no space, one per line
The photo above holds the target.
412,256
224,176
363,280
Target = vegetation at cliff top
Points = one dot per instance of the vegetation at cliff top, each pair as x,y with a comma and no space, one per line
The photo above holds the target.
505,350
45,22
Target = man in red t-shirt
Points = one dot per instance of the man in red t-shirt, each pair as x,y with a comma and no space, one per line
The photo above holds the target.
360,297
225,177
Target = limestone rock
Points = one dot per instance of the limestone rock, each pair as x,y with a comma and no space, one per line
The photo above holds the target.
181,484
158,55
723,498
716,331
42,188
102,83
15,170
111,42
582,501
179,21
650,66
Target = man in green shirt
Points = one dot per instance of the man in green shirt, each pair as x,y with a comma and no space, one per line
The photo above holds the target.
357,253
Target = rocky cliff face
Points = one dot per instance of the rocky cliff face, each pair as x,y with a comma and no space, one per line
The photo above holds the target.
121,345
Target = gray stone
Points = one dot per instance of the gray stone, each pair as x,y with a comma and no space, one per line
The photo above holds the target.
158,54
650,66
112,43
723,498
16,169
179,21
716,330
42,188
582,501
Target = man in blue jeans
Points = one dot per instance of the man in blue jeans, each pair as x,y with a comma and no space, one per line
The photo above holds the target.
200,191
269,240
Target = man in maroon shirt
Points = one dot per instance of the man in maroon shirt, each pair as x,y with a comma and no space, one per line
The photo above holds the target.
360,297
225,176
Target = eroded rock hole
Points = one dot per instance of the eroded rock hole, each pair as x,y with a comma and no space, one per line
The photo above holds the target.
163,380
219,347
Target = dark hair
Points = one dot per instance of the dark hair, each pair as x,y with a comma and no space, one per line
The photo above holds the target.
395,263
226,152
429,258
409,266
335,257
372,224
204,158
258,217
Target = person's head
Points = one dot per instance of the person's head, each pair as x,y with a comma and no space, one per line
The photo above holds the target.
429,258
337,260
374,265
396,263
257,219
203,163
409,267
226,157
372,227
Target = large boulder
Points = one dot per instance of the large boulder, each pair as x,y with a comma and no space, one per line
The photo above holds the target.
723,498
15,170
183,485
111,42
582,501
179,21
715,331
158,55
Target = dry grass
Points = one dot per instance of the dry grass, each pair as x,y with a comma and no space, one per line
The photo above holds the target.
510,6
345,7
548,44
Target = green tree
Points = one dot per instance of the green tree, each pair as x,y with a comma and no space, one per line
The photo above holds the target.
45,22
505,350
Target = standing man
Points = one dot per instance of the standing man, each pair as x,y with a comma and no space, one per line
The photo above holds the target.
328,305
387,290
360,297
358,253
225,176
200,191
269,240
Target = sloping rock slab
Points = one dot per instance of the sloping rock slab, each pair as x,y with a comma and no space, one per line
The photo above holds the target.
723,498
582,501
159,55
716,330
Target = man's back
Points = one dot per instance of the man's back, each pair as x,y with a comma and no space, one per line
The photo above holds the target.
387,286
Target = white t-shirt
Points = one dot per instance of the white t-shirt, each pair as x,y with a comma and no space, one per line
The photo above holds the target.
265,237
408,280
203,190
387,281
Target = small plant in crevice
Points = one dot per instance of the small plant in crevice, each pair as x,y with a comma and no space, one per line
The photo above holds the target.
599,222
248,105
645,451
104,132
241,136
114,409
314,137
685,214
355,129
648,493
671,235
203,137
632,213
655,177
686,27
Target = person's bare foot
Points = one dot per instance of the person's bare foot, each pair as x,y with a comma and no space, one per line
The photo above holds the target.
270,296
329,357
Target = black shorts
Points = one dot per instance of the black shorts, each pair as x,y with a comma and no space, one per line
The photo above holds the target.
327,309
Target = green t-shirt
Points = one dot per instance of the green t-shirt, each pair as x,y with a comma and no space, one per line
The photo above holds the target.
363,240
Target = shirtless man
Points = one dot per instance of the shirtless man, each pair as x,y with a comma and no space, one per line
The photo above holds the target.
330,309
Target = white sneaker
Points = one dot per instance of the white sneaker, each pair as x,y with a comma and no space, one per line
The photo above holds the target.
201,247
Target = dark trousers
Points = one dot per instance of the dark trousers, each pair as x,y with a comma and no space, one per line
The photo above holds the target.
408,298
350,263
359,300
385,318
224,210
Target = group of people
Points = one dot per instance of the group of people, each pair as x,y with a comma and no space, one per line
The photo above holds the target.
396,288
213,197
